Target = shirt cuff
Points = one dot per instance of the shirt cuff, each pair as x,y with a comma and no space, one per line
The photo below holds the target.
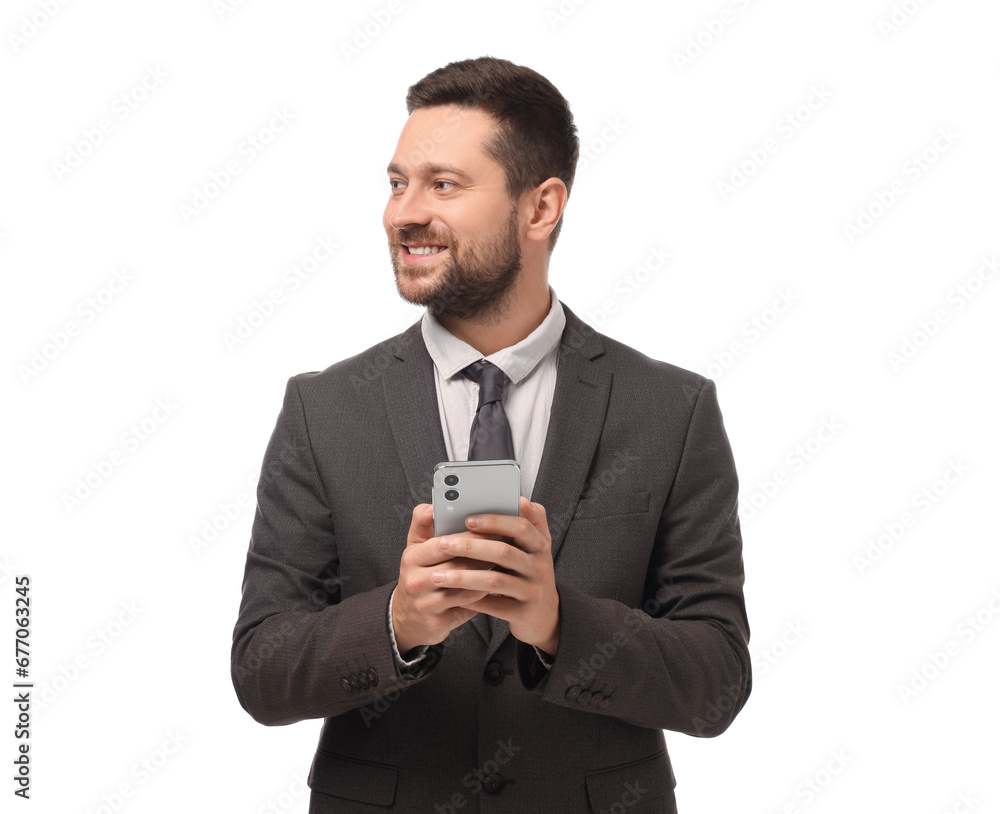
542,657
400,661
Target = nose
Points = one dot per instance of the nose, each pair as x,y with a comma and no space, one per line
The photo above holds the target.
408,209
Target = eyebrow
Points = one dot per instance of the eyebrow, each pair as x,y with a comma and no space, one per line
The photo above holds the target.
432,169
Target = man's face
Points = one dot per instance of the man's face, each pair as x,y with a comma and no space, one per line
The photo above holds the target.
453,231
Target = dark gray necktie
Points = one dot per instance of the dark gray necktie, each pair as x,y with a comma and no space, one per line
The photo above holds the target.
490,438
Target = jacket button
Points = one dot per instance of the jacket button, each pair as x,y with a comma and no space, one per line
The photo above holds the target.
573,692
595,699
372,677
346,685
605,702
494,673
583,697
363,679
355,684
493,784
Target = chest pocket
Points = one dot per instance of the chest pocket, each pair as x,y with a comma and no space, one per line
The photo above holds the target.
612,504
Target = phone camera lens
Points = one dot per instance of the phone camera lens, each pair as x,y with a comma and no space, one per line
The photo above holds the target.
451,494
451,480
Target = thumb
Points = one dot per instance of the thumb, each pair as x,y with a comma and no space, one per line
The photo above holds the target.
421,523
535,512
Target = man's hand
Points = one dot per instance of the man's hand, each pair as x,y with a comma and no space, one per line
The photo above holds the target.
521,589
423,612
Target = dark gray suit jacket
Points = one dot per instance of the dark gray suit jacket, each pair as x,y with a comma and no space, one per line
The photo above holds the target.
640,488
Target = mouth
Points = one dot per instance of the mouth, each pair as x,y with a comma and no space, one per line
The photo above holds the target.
414,253
423,249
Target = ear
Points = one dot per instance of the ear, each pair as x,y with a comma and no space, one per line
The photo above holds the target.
543,207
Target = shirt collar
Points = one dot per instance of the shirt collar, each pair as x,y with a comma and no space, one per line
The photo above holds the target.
451,355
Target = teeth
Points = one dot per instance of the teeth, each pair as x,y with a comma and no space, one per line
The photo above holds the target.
426,249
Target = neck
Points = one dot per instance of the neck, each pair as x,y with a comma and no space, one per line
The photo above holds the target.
526,308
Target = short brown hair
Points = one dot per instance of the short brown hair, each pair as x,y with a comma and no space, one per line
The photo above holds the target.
535,138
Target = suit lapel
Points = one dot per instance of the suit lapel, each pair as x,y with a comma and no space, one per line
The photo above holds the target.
579,404
412,409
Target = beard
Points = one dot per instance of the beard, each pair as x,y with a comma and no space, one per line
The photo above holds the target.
477,280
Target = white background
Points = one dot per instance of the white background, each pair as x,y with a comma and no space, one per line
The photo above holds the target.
839,625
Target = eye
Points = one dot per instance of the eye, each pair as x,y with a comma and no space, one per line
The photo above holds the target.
447,184
395,183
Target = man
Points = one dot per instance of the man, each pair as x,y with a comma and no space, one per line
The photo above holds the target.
530,663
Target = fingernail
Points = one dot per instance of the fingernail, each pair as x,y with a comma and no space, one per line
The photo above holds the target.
446,543
438,576
472,521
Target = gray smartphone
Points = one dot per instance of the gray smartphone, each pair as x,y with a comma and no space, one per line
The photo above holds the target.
461,488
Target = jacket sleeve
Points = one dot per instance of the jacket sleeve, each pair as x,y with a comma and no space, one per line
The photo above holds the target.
300,650
681,660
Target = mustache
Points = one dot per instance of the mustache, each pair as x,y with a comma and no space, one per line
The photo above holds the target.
420,236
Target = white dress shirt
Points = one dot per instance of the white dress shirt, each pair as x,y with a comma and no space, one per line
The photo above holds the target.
530,367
